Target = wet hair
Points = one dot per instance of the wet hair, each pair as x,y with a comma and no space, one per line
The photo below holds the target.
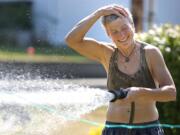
109,18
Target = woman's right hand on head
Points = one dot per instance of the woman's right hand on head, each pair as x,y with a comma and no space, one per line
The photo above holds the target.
112,9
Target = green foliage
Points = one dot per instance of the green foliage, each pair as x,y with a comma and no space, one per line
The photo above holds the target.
16,15
167,38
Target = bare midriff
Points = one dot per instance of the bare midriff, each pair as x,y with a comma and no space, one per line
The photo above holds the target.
120,112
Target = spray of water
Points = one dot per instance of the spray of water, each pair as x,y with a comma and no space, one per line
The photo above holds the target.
34,105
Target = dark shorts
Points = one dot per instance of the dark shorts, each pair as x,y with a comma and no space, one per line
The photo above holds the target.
157,130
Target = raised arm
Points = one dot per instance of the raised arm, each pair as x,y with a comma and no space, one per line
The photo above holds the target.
89,47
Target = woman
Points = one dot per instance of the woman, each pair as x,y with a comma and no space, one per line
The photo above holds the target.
130,64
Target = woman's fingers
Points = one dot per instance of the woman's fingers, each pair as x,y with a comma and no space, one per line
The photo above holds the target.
118,13
121,11
110,11
114,9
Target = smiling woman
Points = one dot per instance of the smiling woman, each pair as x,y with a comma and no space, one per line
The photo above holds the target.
131,65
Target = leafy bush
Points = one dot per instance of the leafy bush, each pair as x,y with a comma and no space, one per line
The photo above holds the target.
167,38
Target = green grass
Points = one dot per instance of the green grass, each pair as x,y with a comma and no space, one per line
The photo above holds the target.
40,49
23,57
42,54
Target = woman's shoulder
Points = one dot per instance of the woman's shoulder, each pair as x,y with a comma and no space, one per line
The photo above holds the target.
152,52
108,52
111,46
149,48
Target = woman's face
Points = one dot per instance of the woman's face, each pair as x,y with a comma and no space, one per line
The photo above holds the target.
121,31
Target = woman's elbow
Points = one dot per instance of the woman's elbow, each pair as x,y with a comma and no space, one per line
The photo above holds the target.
68,40
72,42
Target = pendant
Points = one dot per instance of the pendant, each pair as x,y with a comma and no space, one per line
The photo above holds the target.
126,59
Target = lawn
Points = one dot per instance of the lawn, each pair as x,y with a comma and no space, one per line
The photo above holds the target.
41,54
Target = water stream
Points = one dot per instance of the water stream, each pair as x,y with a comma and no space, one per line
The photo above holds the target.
33,106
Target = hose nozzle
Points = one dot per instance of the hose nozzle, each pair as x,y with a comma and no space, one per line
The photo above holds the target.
118,94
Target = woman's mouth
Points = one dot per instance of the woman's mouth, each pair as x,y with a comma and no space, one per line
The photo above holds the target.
123,40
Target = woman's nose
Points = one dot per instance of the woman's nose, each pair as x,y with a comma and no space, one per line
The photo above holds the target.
122,34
